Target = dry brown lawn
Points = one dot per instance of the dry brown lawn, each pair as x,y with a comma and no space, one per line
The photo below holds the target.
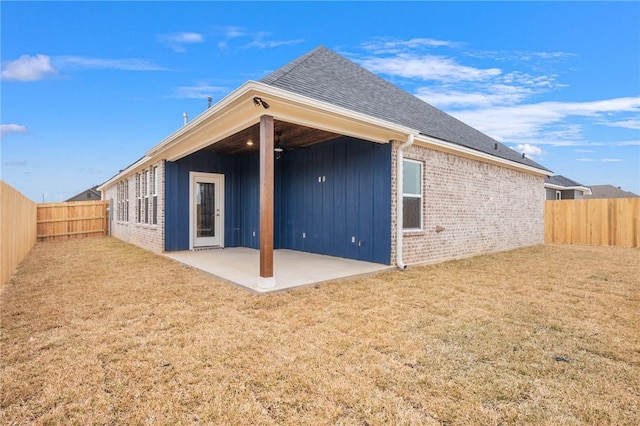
96,331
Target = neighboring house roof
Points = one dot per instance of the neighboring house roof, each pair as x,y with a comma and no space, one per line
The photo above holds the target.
88,194
326,76
564,183
560,180
609,191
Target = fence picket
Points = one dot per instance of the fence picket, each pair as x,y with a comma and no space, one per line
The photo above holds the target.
63,221
613,222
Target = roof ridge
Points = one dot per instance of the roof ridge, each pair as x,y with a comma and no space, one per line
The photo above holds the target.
289,67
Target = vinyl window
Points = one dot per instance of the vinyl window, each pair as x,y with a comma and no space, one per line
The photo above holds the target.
138,198
412,195
154,195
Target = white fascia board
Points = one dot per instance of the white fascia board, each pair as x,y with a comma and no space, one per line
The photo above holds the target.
249,89
167,142
585,190
217,107
254,88
478,155
267,90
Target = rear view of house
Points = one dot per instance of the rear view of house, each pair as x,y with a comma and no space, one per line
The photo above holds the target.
323,156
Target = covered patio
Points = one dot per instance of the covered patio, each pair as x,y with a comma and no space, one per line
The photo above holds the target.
299,183
240,266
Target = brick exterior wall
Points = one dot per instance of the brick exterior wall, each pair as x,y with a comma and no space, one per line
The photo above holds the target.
147,236
483,208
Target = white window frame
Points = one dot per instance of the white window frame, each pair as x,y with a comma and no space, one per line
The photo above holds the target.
145,195
126,200
138,198
558,195
411,195
154,195
119,201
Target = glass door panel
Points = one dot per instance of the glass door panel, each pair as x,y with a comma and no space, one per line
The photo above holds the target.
205,209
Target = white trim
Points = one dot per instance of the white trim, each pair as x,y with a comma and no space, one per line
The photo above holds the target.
262,89
419,196
585,190
219,178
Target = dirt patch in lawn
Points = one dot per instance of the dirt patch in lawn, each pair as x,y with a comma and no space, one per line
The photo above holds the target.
98,331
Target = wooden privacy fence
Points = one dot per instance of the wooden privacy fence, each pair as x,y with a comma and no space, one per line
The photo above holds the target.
77,219
17,229
600,222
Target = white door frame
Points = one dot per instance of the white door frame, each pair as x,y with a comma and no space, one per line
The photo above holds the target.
218,180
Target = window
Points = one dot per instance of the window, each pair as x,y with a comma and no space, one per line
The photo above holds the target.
154,194
126,200
145,195
412,194
138,198
558,195
118,201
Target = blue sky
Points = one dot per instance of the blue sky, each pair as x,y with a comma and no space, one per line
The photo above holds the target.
88,87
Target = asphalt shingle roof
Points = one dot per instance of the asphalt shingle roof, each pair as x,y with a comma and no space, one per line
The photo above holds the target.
561,181
609,191
326,76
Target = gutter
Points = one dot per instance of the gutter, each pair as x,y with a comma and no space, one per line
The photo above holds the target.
399,204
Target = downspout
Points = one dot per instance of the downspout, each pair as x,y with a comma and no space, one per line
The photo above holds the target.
399,206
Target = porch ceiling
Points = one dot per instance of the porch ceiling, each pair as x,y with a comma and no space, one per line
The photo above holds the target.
293,136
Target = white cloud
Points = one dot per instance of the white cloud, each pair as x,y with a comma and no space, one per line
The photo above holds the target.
534,121
128,64
178,41
497,94
520,56
528,149
32,68
11,129
604,160
628,143
264,44
233,32
632,123
498,100
427,67
258,39
199,91
28,68
381,46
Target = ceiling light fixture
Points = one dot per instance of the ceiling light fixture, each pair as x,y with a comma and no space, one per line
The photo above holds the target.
278,148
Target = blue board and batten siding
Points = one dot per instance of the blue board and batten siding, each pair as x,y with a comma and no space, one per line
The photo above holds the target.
241,178
334,192
325,196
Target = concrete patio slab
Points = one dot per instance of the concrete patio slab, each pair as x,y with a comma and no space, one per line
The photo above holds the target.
240,265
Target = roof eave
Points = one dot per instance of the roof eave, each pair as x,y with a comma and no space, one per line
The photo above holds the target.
585,189
478,155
